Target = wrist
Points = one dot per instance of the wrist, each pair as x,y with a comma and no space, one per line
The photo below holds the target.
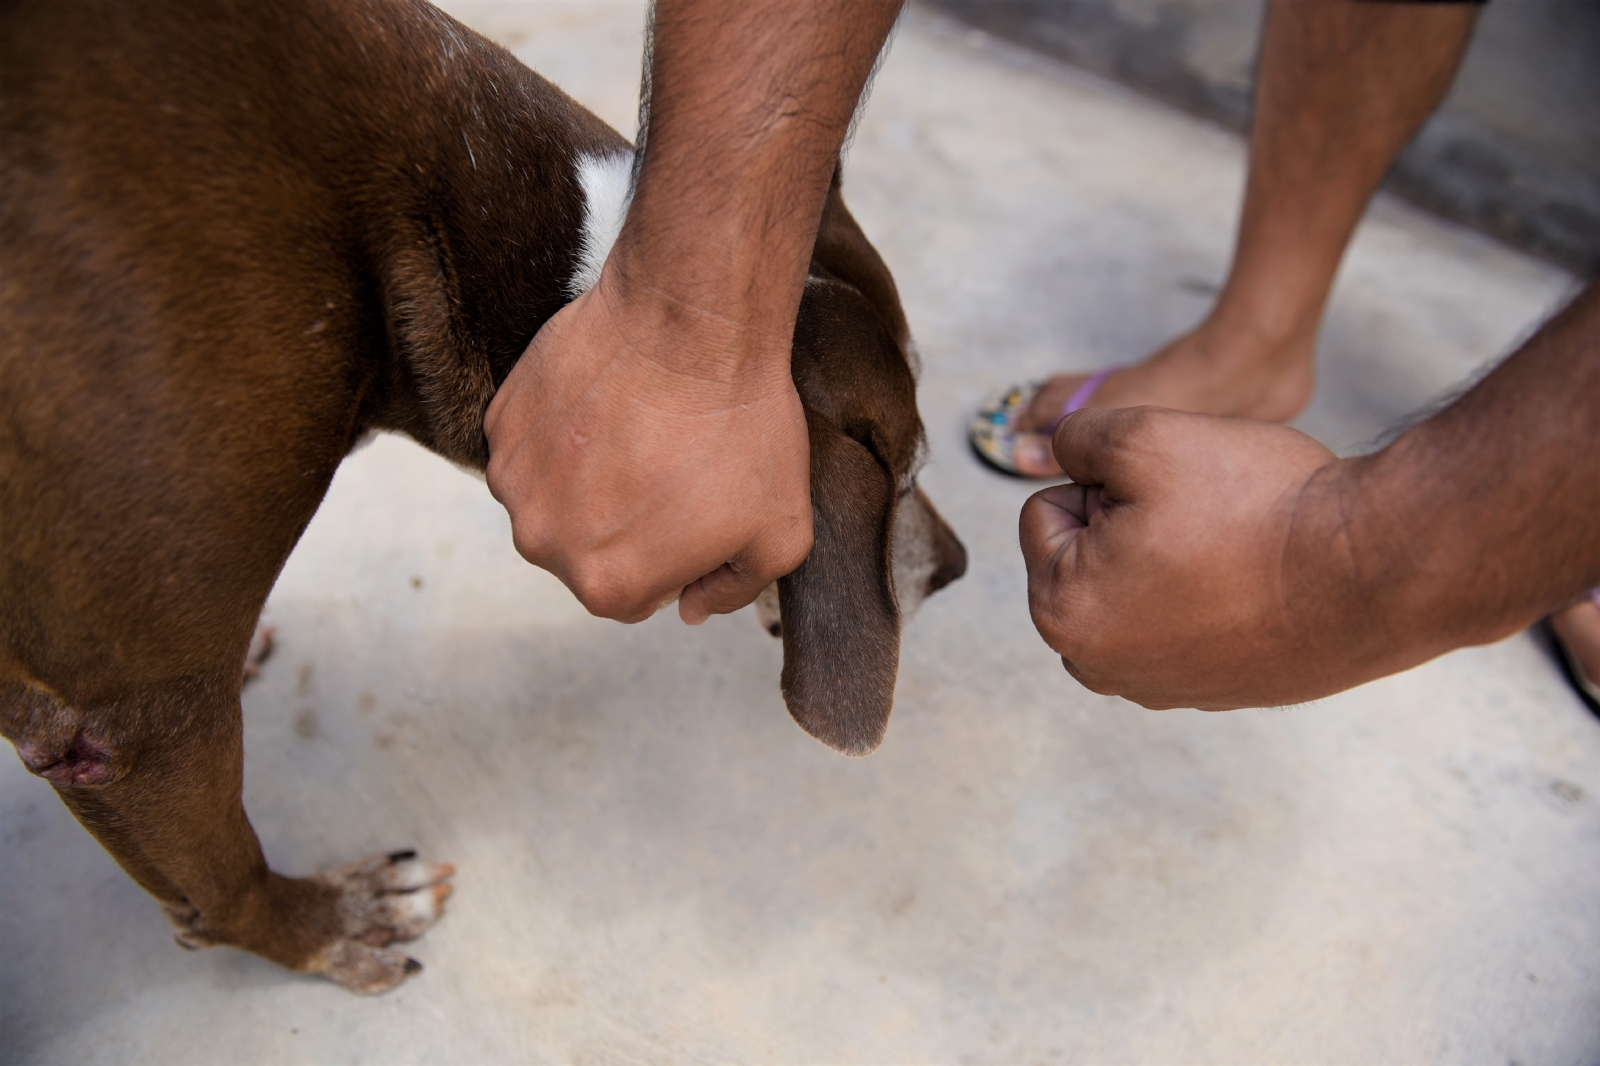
716,258
1362,604
732,323
1401,578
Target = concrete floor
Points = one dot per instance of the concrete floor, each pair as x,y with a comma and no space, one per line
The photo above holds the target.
656,865
1513,149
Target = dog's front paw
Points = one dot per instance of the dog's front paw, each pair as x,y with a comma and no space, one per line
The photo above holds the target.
381,900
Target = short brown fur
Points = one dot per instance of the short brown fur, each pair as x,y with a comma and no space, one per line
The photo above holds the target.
235,237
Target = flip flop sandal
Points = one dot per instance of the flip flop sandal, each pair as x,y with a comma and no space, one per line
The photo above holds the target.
991,431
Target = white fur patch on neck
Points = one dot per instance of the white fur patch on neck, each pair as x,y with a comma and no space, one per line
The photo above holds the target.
607,189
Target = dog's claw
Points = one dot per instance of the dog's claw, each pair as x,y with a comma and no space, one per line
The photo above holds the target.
387,898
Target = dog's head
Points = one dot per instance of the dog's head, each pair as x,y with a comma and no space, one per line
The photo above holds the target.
880,547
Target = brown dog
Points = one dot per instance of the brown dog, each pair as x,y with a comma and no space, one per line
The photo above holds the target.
236,236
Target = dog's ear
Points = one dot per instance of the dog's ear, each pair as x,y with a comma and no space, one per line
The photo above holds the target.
840,618
841,626
844,252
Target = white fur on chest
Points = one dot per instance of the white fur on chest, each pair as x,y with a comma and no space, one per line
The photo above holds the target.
607,182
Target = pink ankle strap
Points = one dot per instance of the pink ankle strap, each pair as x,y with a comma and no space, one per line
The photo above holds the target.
1084,394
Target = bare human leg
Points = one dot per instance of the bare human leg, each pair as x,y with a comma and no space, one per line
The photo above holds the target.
1343,85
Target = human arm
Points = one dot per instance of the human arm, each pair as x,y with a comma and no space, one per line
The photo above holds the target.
650,439
1220,563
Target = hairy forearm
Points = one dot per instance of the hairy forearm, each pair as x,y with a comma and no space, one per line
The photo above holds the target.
1483,518
650,442
749,104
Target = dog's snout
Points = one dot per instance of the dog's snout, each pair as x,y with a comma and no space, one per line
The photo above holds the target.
952,555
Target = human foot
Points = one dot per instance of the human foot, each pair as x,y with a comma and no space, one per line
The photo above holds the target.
999,444
1210,370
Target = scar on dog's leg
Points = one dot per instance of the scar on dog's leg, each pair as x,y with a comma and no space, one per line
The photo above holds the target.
55,742
261,647
166,804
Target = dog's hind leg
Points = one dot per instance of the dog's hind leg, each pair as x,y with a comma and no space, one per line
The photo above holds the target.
141,538
156,777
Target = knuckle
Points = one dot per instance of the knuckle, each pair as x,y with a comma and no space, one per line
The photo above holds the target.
1046,619
1135,423
617,601
527,541
775,557
1033,531
495,474
1066,571
606,604
1096,683
795,551
595,591
731,587
727,598
1068,624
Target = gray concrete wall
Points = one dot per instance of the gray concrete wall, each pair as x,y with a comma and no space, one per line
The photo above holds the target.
1514,151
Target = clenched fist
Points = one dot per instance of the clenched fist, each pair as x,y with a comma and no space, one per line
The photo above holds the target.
1198,562
631,479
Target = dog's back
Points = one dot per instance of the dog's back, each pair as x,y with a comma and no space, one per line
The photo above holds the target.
227,252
